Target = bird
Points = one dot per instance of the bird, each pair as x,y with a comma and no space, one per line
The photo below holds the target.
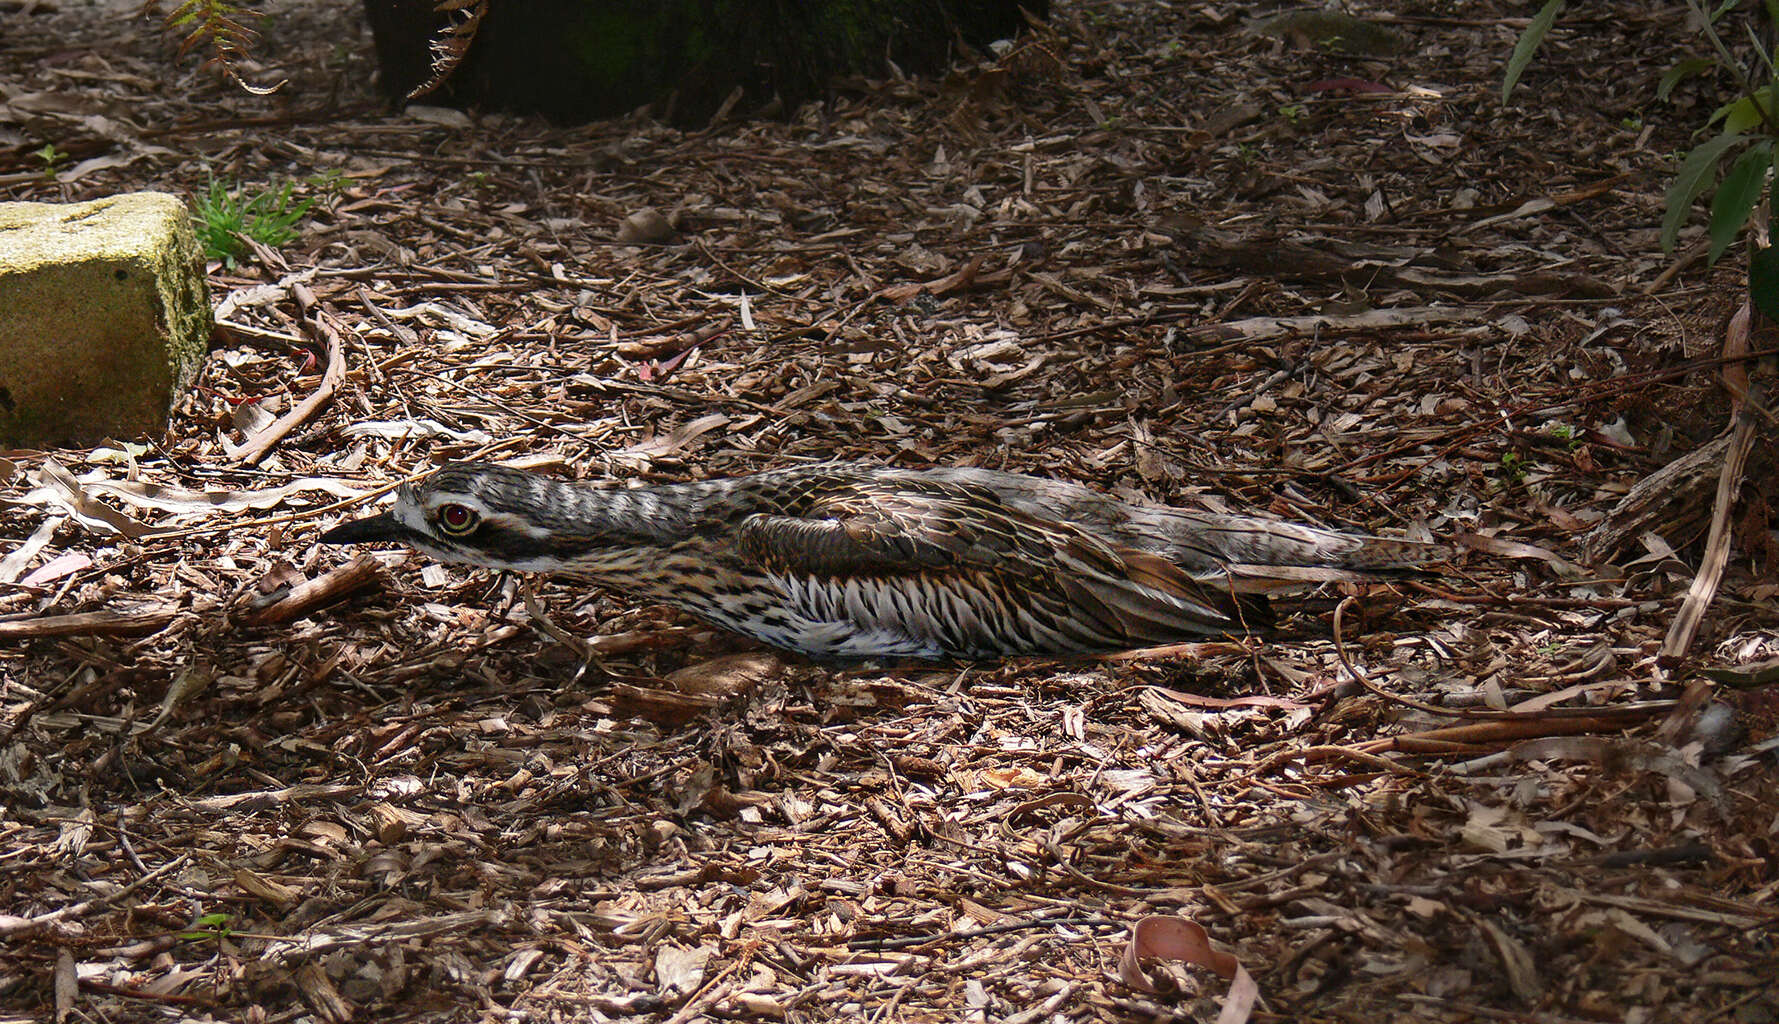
848,561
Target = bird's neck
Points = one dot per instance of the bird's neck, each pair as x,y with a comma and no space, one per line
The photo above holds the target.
637,515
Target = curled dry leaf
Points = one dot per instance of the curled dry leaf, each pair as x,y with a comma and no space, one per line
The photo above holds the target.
680,437
1185,941
959,280
58,487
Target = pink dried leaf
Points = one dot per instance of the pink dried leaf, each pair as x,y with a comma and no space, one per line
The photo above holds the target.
1185,941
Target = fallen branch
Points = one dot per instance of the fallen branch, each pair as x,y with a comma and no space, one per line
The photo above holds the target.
315,322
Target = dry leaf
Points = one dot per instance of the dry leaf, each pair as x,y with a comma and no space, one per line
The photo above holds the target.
1184,941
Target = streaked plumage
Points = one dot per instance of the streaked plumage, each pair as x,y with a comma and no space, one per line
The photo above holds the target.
847,560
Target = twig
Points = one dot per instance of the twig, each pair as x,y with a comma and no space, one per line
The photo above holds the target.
316,323
909,941
88,624
311,594
711,992
14,926
1457,738
1340,652
174,998
1359,754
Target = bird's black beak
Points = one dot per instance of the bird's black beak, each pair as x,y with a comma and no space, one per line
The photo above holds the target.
360,531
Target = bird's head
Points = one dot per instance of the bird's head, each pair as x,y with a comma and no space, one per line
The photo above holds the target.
476,513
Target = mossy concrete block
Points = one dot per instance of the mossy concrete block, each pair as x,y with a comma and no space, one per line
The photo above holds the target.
104,318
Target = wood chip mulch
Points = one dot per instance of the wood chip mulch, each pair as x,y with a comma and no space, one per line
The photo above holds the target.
243,777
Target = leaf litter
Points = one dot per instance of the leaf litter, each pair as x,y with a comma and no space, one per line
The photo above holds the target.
247,778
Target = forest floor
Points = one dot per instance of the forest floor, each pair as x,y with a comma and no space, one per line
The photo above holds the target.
1149,250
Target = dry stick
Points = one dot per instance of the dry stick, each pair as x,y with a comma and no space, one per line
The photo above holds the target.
310,594
315,322
1729,483
1023,924
88,624
1470,737
1319,753
11,926
106,988
1340,652
1681,262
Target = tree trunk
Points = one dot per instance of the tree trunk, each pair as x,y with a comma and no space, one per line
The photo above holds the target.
581,59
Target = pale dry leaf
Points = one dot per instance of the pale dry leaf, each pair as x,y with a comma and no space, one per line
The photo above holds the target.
646,225
167,498
58,487
681,436
1516,962
15,561
59,567
726,676
252,417
444,117
418,428
1012,777
1516,549
680,971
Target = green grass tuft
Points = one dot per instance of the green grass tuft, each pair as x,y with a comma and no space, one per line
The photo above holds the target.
226,217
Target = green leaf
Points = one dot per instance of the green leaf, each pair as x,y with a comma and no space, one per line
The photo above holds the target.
1723,113
1736,196
1681,72
1763,281
1740,115
1695,173
1530,40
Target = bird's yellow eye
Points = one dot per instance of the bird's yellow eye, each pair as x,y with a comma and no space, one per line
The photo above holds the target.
456,519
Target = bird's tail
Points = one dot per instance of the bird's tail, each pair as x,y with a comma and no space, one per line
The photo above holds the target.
1206,543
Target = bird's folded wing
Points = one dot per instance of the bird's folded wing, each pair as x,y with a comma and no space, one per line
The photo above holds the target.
1127,595
889,534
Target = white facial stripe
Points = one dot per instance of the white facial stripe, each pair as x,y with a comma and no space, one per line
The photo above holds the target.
407,512
513,524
